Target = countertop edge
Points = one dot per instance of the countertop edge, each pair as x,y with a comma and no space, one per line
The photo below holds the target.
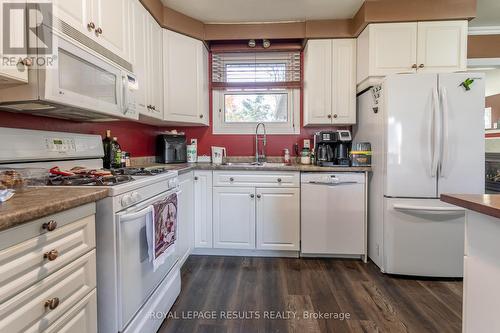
472,202
22,216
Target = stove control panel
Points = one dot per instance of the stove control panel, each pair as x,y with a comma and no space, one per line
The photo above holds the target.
130,198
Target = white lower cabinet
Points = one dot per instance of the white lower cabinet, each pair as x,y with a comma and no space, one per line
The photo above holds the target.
186,216
82,318
203,209
264,214
278,219
48,269
234,217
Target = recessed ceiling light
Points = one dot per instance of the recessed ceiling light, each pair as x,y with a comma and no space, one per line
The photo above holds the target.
251,43
266,43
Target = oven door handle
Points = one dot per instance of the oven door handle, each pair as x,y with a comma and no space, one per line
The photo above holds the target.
142,207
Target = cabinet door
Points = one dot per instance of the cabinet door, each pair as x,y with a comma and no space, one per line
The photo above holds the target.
76,13
12,72
138,19
203,84
111,19
442,46
203,209
181,73
318,82
278,219
344,81
82,318
234,217
155,68
393,48
186,215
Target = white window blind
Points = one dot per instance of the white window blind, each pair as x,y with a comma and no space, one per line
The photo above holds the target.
256,70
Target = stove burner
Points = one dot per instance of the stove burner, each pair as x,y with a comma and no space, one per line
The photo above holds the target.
140,171
86,180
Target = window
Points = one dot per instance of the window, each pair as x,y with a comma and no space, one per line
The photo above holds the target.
256,88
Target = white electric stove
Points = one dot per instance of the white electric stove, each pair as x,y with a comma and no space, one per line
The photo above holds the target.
128,289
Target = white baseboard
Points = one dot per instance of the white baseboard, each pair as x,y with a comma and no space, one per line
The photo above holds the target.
245,253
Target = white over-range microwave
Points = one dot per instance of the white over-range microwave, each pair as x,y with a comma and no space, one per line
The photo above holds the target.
79,85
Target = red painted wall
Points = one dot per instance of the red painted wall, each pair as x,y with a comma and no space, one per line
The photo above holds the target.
138,139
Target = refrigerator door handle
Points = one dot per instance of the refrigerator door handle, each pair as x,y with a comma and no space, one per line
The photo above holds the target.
428,209
435,131
445,141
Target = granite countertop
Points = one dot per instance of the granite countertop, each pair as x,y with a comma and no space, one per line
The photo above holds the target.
34,203
488,204
186,167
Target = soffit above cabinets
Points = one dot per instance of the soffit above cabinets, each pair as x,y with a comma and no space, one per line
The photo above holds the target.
244,11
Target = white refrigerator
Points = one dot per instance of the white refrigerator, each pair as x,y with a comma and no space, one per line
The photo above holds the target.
427,136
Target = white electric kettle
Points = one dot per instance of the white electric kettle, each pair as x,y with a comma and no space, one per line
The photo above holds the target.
218,153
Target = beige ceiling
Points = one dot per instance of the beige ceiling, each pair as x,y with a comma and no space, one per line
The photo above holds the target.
488,14
246,11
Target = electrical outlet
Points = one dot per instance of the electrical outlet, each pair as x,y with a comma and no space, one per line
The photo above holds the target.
307,143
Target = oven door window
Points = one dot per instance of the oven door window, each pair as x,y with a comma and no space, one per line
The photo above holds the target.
135,271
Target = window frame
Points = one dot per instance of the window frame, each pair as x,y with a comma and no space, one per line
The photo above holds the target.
220,126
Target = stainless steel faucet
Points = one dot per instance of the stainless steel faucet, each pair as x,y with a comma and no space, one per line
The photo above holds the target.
260,157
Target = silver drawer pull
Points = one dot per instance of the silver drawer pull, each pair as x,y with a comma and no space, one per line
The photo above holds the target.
231,179
279,180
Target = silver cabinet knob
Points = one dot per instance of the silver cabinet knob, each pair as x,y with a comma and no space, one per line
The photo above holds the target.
91,26
231,179
279,180
252,196
259,196
195,178
421,66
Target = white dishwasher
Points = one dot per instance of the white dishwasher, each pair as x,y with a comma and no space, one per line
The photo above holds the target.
333,214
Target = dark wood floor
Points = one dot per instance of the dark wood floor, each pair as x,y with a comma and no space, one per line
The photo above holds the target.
256,286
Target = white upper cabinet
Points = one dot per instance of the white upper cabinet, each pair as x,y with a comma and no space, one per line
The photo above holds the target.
103,21
14,73
186,79
317,82
392,48
442,46
330,82
145,53
344,81
76,13
111,25
138,16
388,48
155,68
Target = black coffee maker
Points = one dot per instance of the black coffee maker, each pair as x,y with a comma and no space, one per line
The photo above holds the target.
332,148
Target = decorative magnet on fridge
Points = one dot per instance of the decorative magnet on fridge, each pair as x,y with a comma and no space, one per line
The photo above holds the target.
467,83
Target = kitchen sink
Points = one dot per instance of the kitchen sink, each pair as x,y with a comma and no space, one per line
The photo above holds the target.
254,164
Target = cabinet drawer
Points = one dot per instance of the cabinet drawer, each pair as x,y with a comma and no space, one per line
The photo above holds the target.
26,231
27,312
26,263
82,318
257,179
